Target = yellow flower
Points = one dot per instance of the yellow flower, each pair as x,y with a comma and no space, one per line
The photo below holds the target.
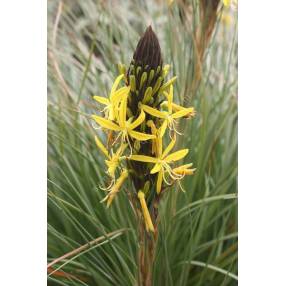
168,116
116,188
113,159
162,161
146,214
114,98
125,128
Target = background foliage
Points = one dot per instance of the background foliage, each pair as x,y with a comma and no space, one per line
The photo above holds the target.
198,228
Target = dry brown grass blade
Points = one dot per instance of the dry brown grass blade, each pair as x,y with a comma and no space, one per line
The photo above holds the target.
52,55
84,247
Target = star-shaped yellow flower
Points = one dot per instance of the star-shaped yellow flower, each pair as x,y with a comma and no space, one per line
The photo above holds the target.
162,161
113,159
125,127
168,116
114,98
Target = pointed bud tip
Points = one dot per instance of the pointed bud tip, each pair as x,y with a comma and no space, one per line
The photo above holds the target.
148,51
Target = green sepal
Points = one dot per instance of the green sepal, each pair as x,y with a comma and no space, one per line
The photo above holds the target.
132,82
147,95
143,79
157,85
151,76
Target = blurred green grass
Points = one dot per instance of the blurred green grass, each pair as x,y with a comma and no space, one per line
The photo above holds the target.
198,228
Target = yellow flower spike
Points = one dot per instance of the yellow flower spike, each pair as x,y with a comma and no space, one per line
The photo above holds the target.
146,214
162,161
116,188
114,98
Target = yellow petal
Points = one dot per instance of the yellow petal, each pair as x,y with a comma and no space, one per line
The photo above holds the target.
163,128
116,83
169,148
101,99
101,146
156,168
159,181
176,155
122,111
138,121
143,158
189,171
182,112
151,124
153,111
184,171
167,84
105,123
186,166
159,146
177,107
145,211
119,94
140,136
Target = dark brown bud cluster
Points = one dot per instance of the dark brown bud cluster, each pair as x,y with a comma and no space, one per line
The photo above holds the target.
145,75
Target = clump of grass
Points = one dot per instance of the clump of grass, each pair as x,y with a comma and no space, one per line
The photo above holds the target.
197,244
